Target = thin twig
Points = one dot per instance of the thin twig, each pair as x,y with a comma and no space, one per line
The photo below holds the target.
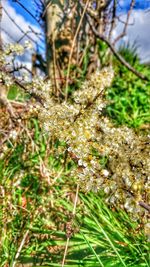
55,68
114,51
76,199
18,68
45,10
73,44
20,29
73,215
24,240
65,252
144,205
113,22
126,23
21,85
8,34
20,248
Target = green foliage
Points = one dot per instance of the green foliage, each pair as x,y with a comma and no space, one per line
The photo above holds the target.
129,96
104,56
15,93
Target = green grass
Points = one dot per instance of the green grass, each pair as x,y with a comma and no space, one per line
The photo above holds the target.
129,96
37,228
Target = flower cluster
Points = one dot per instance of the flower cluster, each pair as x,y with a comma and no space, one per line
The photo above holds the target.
93,88
42,89
6,79
62,119
115,160
12,50
17,49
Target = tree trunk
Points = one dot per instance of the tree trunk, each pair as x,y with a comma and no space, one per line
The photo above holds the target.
53,18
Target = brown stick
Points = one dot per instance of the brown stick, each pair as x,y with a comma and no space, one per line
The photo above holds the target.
72,48
144,205
73,215
113,22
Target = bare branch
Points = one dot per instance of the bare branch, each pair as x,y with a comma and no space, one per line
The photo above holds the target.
35,96
20,248
114,51
21,85
73,44
20,67
113,21
20,29
8,34
69,230
126,23
144,205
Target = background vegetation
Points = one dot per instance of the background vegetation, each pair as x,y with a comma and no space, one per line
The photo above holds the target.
48,215
129,97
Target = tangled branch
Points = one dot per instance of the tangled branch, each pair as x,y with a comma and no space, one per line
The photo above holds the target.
113,49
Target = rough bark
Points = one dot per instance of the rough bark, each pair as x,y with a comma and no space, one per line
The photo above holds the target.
53,18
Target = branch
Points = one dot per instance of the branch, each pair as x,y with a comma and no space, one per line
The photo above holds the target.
21,85
144,205
113,22
35,96
114,51
20,248
20,29
69,227
126,23
8,34
20,67
72,47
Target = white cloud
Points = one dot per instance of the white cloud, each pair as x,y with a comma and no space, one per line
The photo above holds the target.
11,33
138,33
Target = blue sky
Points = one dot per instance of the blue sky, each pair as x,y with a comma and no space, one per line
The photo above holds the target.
124,6
28,4
15,10
139,4
139,32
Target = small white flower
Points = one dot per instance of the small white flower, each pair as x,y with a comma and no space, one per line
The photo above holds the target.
107,190
80,162
13,134
69,149
105,172
85,164
28,44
